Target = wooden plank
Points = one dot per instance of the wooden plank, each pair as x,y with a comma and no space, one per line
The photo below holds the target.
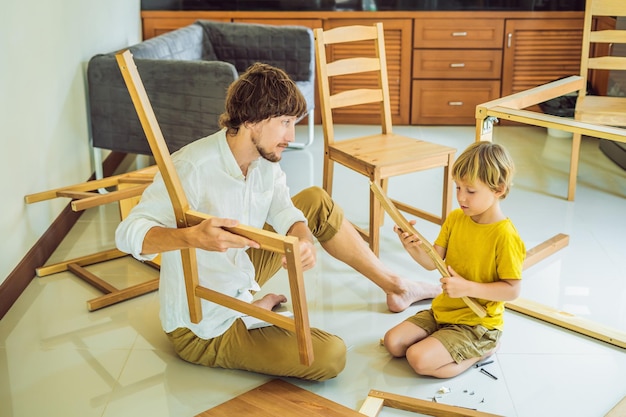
99,199
91,279
372,406
404,224
429,408
95,258
279,398
123,295
545,249
568,321
619,410
557,122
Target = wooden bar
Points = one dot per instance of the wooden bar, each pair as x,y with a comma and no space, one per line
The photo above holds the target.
404,224
545,249
91,279
123,295
428,408
568,321
95,258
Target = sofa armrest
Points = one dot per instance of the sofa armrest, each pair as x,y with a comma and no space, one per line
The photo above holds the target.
290,48
187,98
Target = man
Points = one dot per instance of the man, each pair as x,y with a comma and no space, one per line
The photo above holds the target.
234,176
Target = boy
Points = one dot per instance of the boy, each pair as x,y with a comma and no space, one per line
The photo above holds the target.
484,254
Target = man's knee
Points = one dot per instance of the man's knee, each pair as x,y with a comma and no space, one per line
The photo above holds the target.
330,358
323,215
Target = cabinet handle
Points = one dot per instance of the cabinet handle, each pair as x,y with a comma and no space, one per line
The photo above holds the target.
457,65
459,33
509,39
455,103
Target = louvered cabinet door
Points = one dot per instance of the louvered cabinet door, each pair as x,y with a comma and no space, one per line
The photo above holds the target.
398,51
537,51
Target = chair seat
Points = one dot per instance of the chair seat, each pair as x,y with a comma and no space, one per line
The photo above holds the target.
390,154
603,110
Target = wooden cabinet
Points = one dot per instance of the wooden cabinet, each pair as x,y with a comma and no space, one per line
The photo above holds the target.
440,64
538,51
456,66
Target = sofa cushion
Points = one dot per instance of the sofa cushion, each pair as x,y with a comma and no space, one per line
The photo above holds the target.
287,47
188,43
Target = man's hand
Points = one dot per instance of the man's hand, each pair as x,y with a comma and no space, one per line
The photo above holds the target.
210,235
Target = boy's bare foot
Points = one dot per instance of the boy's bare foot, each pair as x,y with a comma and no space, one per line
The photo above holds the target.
269,301
412,292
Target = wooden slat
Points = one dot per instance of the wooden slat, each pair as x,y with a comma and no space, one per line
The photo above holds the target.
123,295
428,408
404,224
619,410
279,398
352,66
568,321
95,258
545,249
110,197
91,279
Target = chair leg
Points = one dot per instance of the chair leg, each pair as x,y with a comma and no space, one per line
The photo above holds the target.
447,189
327,180
573,166
376,215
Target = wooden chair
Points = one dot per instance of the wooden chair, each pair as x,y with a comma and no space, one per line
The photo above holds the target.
286,245
592,113
358,50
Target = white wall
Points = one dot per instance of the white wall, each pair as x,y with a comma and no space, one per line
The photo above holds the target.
44,49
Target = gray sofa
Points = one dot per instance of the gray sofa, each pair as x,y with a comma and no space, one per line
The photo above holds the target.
186,73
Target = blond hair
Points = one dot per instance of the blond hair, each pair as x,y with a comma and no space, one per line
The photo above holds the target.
487,162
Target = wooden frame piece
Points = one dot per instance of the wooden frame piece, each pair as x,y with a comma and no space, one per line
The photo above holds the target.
287,245
404,224
511,108
86,195
128,189
376,400
618,410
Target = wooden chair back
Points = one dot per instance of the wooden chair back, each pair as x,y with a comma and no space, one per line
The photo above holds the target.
373,62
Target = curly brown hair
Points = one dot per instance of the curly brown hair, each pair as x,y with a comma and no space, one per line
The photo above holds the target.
262,92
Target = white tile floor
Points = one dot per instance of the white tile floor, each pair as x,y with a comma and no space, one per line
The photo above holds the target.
57,359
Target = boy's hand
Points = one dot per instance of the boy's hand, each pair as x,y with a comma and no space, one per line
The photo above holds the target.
408,241
454,286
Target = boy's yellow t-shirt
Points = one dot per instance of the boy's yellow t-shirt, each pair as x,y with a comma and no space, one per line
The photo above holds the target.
481,253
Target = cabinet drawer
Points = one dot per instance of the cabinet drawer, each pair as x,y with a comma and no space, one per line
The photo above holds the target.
450,102
458,33
457,63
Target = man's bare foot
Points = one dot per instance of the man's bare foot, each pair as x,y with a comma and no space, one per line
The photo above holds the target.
412,293
269,301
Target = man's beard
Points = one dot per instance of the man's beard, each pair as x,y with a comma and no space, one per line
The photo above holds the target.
270,156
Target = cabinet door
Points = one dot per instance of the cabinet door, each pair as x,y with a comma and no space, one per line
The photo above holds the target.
398,50
537,51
